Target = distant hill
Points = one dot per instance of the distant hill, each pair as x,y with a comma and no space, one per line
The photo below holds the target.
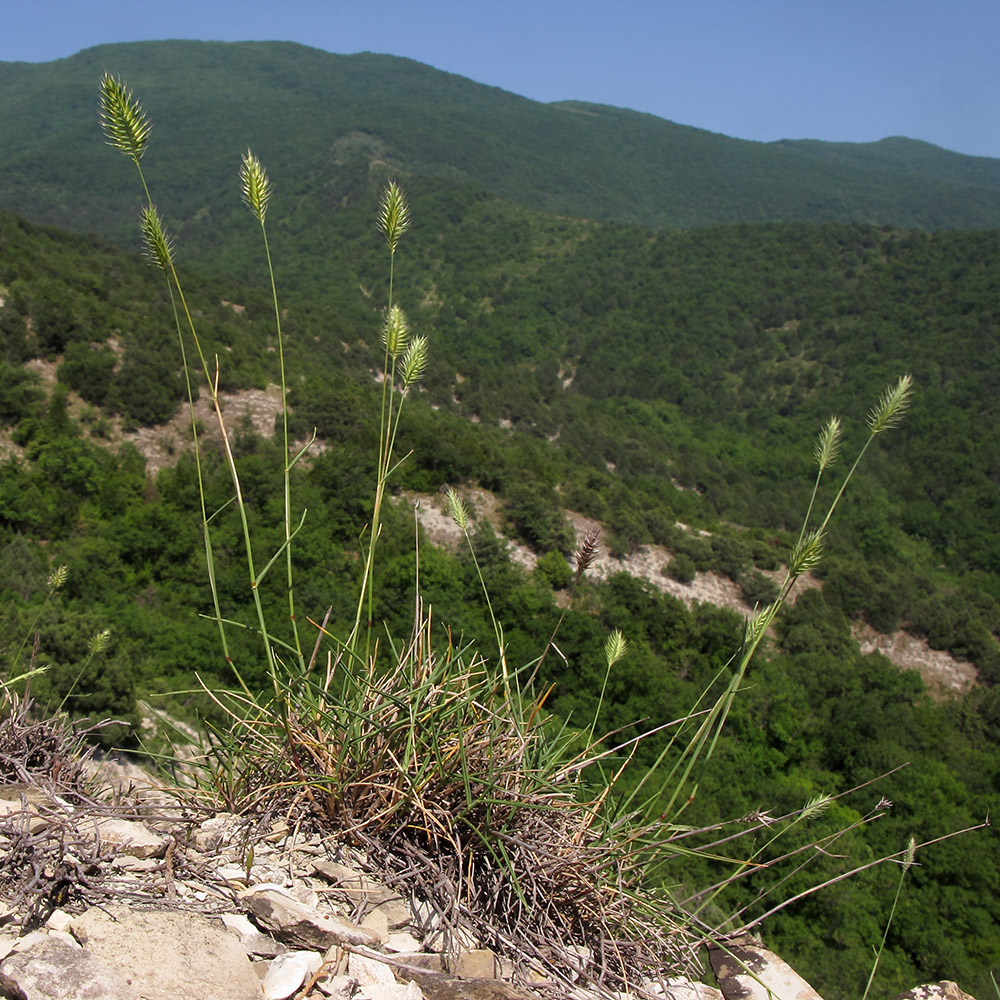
304,111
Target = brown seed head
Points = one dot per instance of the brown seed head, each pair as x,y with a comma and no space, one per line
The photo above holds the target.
587,552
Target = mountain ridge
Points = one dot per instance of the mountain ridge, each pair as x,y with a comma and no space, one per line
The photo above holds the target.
291,102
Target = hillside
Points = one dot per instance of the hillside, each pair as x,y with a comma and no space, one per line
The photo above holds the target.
818,716
303,111
667,383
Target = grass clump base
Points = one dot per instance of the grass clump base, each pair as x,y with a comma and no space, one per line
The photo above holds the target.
461,791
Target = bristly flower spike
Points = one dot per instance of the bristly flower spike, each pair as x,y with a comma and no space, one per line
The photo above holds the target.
256,186
615,647
587,552
828,445
891,407
122,118
807,554
394,215
99,641
395,332
157,245
458,510
414,361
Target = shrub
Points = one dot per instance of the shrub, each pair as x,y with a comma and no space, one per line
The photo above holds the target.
758,590
682,568
553,570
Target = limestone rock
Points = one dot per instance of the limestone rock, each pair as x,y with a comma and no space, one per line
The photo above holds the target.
53,970
480,963
368,971
19,804
403,943
298,924
287,973
169,955
748,971
945,990
442,987
213,833
238,924
127,837
351,882
59,920
686,989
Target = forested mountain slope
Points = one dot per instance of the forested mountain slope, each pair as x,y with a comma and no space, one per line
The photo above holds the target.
303,111
641,375
817,717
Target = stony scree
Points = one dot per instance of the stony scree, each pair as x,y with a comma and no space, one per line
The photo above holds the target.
174,906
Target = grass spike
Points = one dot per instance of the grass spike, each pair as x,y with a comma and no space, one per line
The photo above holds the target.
124,122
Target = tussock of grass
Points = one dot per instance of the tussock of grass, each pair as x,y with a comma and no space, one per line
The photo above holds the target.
467,793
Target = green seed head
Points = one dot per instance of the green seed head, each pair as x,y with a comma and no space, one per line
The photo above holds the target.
395,333
615,647
394,215
157,245
828,445
124,122
458,511
255,184
891,406
807,554
99,641
414,361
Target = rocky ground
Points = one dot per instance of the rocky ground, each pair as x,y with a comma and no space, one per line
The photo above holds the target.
139,897
942,673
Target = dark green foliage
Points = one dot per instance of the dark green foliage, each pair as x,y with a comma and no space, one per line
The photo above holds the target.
532,513
22,571
19,394
682,568
553,569
89,370
731,555
569,158
758,590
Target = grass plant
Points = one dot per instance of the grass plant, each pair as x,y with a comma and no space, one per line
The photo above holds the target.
441,762
906,864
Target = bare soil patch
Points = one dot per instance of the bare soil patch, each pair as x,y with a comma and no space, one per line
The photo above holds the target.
941,672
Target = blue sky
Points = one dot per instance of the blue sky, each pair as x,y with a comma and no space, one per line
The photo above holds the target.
854,70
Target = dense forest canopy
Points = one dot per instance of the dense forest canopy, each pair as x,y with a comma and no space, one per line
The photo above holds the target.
303,111
666,382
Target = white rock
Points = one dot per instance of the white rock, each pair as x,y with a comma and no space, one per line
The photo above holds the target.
238,924
233,873
127,837
338,986
51,970
369,972
403,943
378,923
127,863
298,924
65,937
6,945
30,940
168,955
59,920
211,834
288,972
